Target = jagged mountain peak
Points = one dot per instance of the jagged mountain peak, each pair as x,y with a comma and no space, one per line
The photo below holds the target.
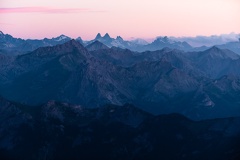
106,36
161,42
163,39
61,37
98,36
79,38
119,38
1,33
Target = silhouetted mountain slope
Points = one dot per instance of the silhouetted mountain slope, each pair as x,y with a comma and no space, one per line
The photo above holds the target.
96,46
66,73
216,62
7,42
60,130
233,46
163,42
48,42
113,42
117,56
16,46
164,81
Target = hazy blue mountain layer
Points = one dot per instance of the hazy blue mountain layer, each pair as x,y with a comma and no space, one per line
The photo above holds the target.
199,85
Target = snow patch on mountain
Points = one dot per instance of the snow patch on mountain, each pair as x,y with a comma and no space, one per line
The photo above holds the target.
60,38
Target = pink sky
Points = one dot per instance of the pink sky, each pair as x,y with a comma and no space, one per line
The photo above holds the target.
128,18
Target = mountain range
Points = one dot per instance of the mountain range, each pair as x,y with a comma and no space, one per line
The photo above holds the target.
209,41
199,85
15,46
19,46
108,98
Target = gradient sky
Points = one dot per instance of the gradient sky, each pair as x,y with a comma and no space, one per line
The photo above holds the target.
128,18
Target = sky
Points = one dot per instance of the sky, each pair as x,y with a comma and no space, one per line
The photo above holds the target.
127,18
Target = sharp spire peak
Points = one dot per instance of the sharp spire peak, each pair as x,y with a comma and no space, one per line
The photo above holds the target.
106,36
98,36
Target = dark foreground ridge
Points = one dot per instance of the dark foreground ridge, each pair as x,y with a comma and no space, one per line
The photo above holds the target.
63,131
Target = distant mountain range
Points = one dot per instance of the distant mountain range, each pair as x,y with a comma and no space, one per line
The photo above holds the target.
209,41
18,46
14,46
199,85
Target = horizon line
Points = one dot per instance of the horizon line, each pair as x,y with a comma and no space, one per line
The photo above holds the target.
129,38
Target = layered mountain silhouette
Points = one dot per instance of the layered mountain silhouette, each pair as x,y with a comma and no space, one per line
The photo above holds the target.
108,98
15,46
163,42
234,46
110,42
163,81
